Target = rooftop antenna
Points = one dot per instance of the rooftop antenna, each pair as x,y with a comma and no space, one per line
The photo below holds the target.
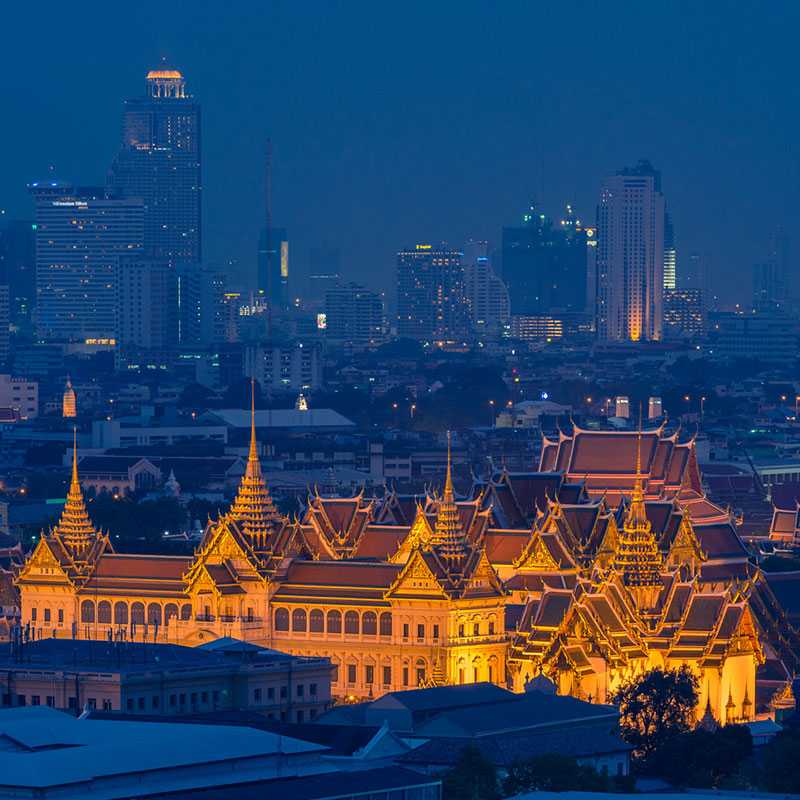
268,210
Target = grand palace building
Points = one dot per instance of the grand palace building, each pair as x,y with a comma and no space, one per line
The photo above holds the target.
608,561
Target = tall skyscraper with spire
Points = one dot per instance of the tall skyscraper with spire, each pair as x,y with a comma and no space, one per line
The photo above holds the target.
630,256
160,161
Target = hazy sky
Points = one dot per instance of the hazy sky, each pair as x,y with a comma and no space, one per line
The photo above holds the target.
402,122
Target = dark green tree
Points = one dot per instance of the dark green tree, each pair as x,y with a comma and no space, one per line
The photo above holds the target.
552,773
473,777
780,758
703,759
655,707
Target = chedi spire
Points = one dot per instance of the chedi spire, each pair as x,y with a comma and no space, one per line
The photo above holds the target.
253,506
448,535
75,529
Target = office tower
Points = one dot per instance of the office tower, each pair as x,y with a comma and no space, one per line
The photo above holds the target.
147,301
431,298
291,366
684,314
771,277
487,296
69,401
213,309
80,235
273,267
630,255
5,323
769,336
159,161
670,254
355,317
544,264
18,266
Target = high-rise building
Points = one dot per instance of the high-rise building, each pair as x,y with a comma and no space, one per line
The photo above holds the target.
544,264
146,291
5,323
771,277
214,313
355,317
684,314
487,296
80,236
285,367
431,296
18,266
273,267
630,255
159,162
670,254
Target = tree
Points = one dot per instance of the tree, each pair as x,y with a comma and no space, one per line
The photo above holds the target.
473,777
655,707
779,763
703,759
552,773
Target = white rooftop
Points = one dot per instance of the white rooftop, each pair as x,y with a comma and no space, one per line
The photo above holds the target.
43,750
285,418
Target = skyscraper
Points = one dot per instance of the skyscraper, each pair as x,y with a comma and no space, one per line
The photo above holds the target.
431,298
670,254
544,264
354,317
18,266
487,296
630,255
273,267
771,277
159,161
80,236
146,290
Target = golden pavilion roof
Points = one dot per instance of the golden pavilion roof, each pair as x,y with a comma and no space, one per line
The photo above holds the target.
448,535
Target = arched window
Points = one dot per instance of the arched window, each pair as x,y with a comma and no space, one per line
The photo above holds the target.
351,622
386,623
137,613
281,619
120,613
154,614
369,623
87,611
334,622
104,612
299,619
421,671
186,611
170,612
316,621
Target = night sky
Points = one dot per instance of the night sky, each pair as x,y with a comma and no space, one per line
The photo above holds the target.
404,122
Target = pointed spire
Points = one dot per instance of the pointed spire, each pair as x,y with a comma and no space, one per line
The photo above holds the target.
253,505
75,529
448,536
638,558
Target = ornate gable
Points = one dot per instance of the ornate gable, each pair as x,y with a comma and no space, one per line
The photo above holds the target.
685,547
536,556
43,564
419,537
417,578
483,576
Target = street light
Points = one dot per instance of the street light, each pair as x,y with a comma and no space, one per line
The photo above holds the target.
687,399
413,409
702,407
491,413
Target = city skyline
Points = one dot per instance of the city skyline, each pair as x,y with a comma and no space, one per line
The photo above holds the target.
353,183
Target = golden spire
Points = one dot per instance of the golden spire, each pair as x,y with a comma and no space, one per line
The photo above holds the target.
253,505
448,536
75,529
638,558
